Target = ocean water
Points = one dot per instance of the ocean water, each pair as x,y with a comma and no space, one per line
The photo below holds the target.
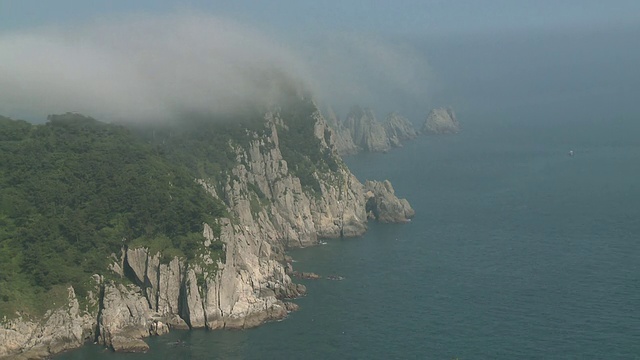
517,251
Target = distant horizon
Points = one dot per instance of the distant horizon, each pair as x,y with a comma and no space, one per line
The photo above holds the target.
407,58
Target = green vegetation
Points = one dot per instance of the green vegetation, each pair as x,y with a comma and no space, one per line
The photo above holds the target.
205,145
299,146
75,190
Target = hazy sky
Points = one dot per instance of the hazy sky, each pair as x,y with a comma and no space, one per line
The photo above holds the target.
153,58
376,16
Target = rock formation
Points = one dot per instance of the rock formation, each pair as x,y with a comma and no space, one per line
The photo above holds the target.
342,139
399,129
362,131
238,279
366,131
383,205
63,328
441,121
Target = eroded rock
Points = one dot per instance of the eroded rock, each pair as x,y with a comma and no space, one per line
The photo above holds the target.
441,121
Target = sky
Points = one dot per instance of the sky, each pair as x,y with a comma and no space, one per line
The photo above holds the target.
149,59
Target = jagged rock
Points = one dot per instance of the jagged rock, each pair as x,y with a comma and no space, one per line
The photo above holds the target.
192,311
60,329
366,131
246,287
291,307
441,121
124,343
341,136
306,275
125,314
398,129
383,204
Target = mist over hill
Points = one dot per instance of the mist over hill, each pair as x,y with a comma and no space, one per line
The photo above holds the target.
156,67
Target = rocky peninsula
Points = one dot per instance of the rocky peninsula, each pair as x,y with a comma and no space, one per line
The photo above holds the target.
361,130
238,277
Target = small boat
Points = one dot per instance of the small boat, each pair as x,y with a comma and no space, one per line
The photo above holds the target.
570,152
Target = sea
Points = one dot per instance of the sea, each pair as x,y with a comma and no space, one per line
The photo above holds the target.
517,251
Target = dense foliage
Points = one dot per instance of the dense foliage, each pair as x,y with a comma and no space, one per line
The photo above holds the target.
205,144
300,147
74,190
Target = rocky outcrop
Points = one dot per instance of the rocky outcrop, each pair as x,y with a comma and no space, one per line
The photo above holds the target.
383,205
366,131
237,279
60,329
441,121
399,129
342,139
362,131
125,318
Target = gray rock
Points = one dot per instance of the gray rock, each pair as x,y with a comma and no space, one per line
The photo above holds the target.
366,131
249,285
399,129
291,307
441,121
121,343
60,329
384,205
341,136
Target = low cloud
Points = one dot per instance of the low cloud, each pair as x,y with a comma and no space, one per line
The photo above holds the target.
149,68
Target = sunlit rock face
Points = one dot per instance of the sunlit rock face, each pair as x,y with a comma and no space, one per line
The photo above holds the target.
148,293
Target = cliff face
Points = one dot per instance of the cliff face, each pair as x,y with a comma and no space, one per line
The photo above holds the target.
383,205
366,131
399,129
441,121
237,279
362,131
342,139
65,327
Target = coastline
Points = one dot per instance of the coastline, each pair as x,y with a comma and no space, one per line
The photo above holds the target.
147,295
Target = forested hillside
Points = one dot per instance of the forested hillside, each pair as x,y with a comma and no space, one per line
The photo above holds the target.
73,191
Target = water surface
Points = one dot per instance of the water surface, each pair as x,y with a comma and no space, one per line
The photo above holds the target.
517,251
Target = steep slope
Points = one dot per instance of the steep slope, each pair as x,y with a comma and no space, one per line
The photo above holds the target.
283,185
342,139
366,131
441,121
399,129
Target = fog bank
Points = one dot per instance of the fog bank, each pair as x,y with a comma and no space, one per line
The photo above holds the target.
150,68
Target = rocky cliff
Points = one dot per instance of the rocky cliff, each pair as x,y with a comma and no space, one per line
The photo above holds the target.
441,121
342,139
366,131
362,131
237,279
383,205
399,129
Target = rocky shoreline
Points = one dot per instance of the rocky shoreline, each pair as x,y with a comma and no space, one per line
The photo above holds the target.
148,294
361,130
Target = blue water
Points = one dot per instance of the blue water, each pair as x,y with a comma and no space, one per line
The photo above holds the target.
517,251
